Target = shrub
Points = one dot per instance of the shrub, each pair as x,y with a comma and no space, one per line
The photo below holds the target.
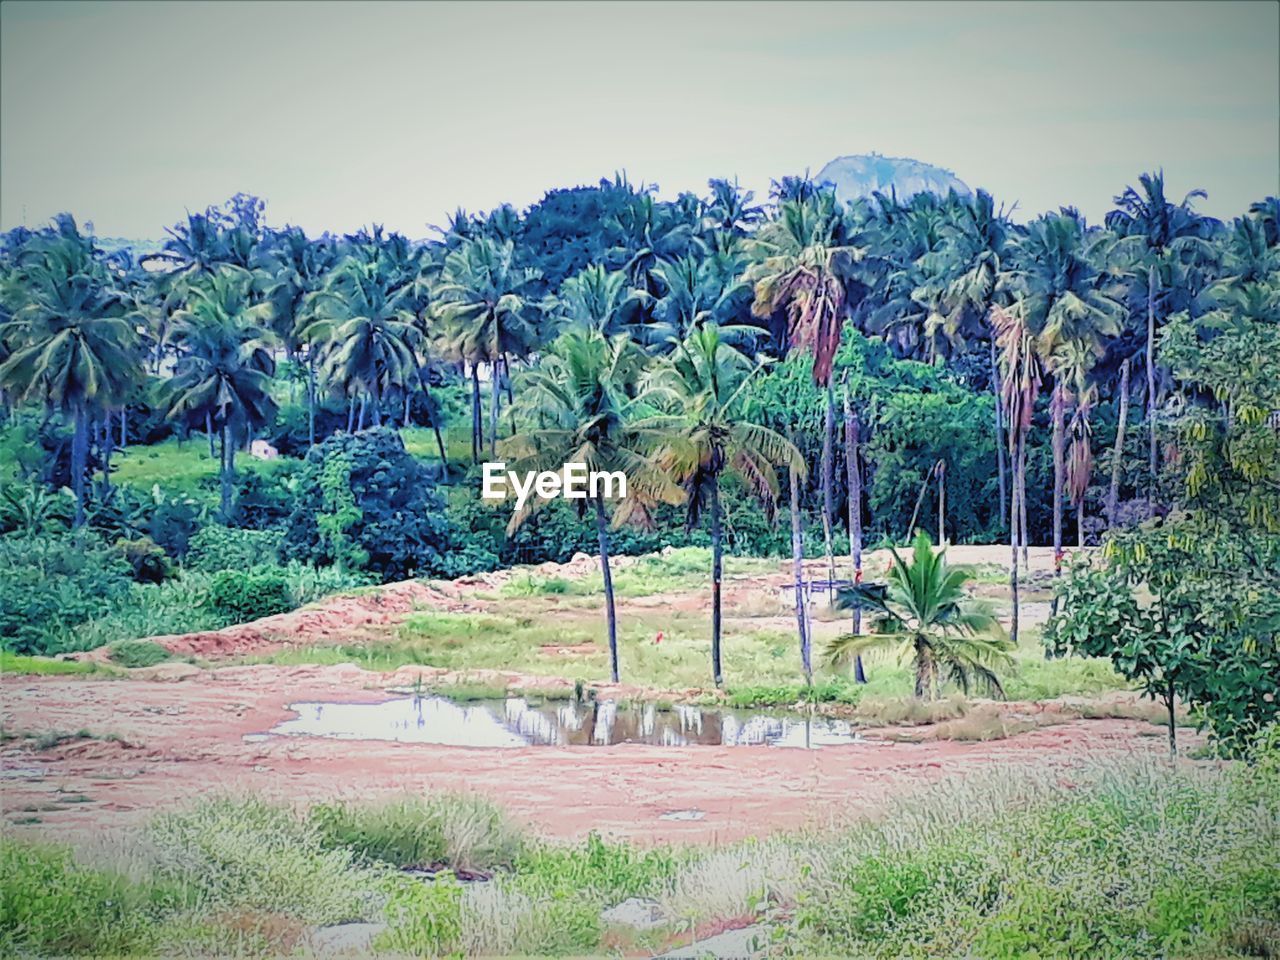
53,907
217,548
424,919
240,597
138,653
49,584
180,605
147,558
363,501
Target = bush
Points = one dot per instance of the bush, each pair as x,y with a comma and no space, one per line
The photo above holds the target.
53,907
217,548
240,597
138,653
364,502
180,605
147,558
50,584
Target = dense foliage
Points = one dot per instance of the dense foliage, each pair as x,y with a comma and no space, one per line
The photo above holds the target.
998,374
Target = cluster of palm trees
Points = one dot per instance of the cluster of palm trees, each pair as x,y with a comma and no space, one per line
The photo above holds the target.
627,332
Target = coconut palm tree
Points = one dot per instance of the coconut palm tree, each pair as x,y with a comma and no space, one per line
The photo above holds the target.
577,397
802,269
703,387
1161,232
484,308
594,297
225,364
368,331
923,610
1062,303
69,343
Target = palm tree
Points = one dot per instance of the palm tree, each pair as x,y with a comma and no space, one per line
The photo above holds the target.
369,330
577,396
484,308
594,297
703,385
70,344
1020,385
923,610
1062,304
224,366
802,262
1160,229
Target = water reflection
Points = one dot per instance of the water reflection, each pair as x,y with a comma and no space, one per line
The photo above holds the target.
517,723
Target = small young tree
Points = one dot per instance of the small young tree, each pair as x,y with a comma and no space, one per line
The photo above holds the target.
923,609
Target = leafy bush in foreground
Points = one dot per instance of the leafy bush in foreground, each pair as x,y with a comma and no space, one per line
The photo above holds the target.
217,548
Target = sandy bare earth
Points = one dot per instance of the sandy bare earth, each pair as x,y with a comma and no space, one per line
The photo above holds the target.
179,734
184,738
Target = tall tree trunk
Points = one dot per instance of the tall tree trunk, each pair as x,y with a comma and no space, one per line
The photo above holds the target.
477,429
797,567
375,401
124,427
407,401
1023,538
1014,531
1058,405
311,399
351,414
602,533
495,398
1117,452
717,576
511,394
942,503
79,458
108,445
1151,383
208,432
1080,524
364,406
228,470
1001,451
852,429
1170,703
828,439
924,672
435,427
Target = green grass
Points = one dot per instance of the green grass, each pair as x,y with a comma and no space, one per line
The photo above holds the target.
185,468
42,666
1122,858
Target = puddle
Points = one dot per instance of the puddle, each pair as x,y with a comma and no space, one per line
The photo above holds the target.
517,723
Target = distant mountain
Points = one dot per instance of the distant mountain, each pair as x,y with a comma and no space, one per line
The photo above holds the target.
862,174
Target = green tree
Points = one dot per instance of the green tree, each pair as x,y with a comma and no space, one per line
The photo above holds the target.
576,396
484,306
704,386
70,346
225,364
369,329
923,610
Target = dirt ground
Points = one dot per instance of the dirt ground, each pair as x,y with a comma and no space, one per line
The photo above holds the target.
175,732
183,738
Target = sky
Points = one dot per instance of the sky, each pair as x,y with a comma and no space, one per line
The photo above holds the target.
341,115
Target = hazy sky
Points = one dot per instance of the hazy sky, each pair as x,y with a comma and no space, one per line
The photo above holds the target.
341,115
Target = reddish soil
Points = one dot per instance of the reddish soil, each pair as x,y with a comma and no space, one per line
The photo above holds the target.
183,737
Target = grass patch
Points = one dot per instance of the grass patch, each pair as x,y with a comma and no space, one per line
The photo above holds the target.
182,468
830,690
42,666
908,711
138,653
442,830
